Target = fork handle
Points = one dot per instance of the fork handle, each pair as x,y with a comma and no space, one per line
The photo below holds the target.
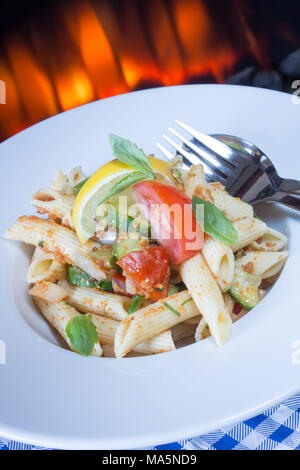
289,186
288,200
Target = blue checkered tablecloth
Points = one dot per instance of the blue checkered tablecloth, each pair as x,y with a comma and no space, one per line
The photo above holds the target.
277,428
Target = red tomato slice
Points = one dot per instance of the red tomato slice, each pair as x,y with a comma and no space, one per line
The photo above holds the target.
172,220
149,269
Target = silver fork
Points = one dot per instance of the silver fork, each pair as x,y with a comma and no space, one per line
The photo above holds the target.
243,169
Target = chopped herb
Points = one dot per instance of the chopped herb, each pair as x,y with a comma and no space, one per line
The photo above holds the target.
187,300
41,244
78,186
82,333
171,308
134,306
216,223
69,304
256,216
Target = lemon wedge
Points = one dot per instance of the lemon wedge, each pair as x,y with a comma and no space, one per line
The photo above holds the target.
99,184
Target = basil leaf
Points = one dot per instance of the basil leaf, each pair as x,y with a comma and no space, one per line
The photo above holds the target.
127,181
134,306
171,308
78,277
41,244
78,186
216,223
129,153
82,333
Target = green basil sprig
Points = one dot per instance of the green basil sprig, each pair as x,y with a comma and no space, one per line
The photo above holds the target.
216,223
127,181
82,333
129,153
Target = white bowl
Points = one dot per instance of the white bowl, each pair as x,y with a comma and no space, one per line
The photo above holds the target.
53,397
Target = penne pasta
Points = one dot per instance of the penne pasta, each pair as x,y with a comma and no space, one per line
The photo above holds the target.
59,240
59,315
44,267
248,230
202,330
57,205
220,260
99,302
193,179
153,320
48,291
263,263
106,330
60,183
229,302
207,296
75,176
272,240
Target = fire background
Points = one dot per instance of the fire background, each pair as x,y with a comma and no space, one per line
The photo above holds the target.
59,54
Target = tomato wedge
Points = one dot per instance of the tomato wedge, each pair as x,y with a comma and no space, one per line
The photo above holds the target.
170,214
149,269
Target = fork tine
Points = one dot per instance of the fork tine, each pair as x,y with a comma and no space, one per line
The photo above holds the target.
191,157
216,145
169,155
211,160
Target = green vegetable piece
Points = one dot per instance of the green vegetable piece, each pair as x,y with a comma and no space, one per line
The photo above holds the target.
106,284
216,223
41,244
171,308
78,277
244,288
78,186
129,153
134,306
177,175
82,333
123,247
172,289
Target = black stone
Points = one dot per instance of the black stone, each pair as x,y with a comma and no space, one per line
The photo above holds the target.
244,77
291,64
268,79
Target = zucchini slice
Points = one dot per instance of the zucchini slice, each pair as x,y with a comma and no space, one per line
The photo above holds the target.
244,288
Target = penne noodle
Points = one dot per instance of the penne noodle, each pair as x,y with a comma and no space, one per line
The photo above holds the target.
248,231
59,240
48,291
59,315
99,302
109,351
44,267
60,183
193,179
57,205
272,240
202,331
106,330
207,296
263,263
75,176
229,302
153,320
220,260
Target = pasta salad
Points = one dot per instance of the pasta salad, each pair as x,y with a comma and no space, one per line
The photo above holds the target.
144,256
